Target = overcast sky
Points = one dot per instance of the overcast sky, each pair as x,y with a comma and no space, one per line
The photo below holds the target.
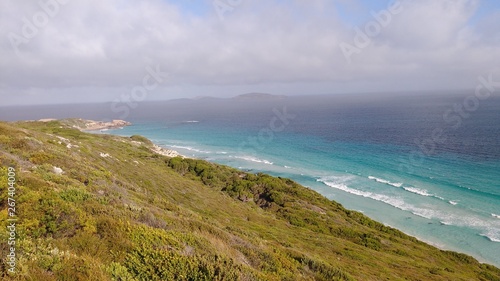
99,50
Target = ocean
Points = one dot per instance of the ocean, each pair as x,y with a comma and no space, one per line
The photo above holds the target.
427,164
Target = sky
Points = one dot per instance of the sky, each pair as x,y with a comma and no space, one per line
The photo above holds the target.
72,51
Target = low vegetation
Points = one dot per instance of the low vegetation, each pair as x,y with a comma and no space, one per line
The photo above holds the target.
100,207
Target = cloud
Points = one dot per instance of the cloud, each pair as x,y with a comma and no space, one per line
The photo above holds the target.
106,45
428,24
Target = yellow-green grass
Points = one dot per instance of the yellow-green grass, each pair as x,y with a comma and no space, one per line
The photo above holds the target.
121,212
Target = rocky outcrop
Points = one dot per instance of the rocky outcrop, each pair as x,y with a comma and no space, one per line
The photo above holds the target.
90,125
165,152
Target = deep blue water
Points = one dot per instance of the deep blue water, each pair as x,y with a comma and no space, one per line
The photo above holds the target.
411,162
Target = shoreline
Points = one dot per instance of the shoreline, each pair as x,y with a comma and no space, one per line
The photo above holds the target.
154,147
442,245
92,126
146,197
140,141
168,152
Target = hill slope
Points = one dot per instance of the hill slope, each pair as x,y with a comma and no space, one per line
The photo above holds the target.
100,207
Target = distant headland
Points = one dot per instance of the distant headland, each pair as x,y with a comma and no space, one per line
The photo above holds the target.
259,96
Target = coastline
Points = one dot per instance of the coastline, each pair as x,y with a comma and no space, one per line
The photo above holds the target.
90,126
418,228
347,237
442,245
99,126
167,151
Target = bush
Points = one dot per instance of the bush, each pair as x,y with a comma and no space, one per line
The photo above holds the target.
141,139
149,264
74,195
119,272
40,157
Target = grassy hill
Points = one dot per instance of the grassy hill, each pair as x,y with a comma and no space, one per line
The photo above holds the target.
100,207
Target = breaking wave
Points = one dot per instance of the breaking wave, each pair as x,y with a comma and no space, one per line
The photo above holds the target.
485,227
253,159
395,184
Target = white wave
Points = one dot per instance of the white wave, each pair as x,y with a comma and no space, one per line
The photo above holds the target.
418,191
491,229
423,192
184,147
493,236
453,202
190,148
483,226
424,213
191,121
253,159
287,167
395,184
393,201
340,183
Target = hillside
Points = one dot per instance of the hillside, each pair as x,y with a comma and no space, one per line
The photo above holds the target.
101,207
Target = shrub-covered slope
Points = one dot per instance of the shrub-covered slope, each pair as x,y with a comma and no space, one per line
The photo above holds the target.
100,207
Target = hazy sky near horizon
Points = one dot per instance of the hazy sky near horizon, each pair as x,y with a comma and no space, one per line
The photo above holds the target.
60,51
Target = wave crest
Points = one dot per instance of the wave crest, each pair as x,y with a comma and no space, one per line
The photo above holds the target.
253,159
395,184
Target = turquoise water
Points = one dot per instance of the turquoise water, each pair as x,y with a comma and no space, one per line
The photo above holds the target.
360,156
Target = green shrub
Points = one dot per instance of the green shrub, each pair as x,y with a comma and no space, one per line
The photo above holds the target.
40,157
141,139
74,195
149,264
119,272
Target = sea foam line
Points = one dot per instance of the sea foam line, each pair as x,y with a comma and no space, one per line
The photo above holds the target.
392,201
484,227
395,184
492,234
253,159
424,192
190,148
339,183
418,191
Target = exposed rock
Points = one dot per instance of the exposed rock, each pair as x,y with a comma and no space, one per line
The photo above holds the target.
66,141
91,125
165,152
57,170
99,125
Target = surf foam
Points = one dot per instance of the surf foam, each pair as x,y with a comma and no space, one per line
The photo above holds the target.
395,184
